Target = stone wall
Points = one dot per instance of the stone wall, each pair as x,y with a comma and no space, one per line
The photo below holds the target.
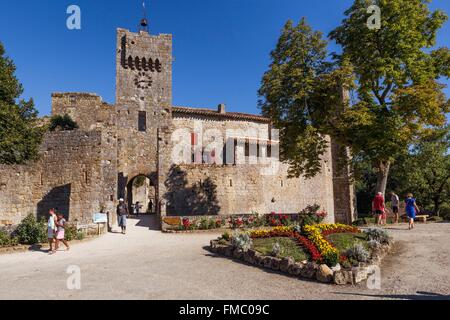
344,193
70,175
86,109
17,185
196,189
86,170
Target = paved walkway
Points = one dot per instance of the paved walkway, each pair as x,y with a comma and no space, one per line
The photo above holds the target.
150,265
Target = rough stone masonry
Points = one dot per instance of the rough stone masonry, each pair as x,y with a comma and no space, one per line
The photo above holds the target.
87,170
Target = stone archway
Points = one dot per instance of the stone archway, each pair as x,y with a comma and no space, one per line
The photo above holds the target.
141,190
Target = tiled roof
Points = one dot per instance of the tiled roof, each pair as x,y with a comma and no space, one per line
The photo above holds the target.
216,114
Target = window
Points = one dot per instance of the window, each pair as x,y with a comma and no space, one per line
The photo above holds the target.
194,139
194,142
247,148
142,121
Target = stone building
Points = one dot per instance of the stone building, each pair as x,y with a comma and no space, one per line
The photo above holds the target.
84,171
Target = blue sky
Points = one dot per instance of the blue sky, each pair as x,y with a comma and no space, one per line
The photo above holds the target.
221,47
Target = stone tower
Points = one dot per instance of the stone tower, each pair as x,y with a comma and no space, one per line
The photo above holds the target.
143,104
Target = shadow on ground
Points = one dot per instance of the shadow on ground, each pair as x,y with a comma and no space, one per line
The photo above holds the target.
146,221
420,295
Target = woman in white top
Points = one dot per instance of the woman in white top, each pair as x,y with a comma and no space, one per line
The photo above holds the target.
51,230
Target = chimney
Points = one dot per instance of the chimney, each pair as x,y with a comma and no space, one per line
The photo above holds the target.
221,108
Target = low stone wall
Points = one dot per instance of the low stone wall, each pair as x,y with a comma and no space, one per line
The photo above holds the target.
305,269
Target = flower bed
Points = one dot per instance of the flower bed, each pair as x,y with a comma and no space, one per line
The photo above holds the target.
325,259
310,215
291,233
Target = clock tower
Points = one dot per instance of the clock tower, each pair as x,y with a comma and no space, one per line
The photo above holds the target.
143,104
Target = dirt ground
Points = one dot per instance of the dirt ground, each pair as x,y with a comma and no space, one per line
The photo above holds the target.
147,264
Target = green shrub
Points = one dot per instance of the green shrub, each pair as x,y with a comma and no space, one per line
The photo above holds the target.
80,235
358,252
377,234
276,249
212,224
70,232
30,231
226,236
311,215
445,211
331,259
7,240
204,224
64,123
242,241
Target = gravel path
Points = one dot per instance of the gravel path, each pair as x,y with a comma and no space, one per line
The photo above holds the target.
151,265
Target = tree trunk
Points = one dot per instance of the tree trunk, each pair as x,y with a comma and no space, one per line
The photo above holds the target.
437,206
382,176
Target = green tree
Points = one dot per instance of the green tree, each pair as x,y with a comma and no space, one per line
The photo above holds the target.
20,136
286,96
425,171
397,98
63,123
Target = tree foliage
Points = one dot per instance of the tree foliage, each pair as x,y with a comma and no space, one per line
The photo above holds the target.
286,95
425,171
379,96
397,96
19,135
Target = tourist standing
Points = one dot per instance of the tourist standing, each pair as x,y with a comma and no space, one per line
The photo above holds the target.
378,208
137,207
411,208
61,232
395,204
51,230
150,206
122,213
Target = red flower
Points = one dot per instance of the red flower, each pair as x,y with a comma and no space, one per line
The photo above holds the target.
307,244
186,223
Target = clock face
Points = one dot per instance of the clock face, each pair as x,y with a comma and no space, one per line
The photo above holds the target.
143,81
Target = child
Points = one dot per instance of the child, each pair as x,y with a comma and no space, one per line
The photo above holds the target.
60,233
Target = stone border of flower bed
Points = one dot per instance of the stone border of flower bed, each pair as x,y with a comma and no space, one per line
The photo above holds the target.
307,270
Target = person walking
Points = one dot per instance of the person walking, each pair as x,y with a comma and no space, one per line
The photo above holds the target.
60,232
378,208
122,213
51,230
395,204
411,209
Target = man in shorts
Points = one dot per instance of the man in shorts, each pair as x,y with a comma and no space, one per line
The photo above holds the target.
395,203
122,213
378,208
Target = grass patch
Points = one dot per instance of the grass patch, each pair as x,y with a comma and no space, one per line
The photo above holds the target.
343,241
289,247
